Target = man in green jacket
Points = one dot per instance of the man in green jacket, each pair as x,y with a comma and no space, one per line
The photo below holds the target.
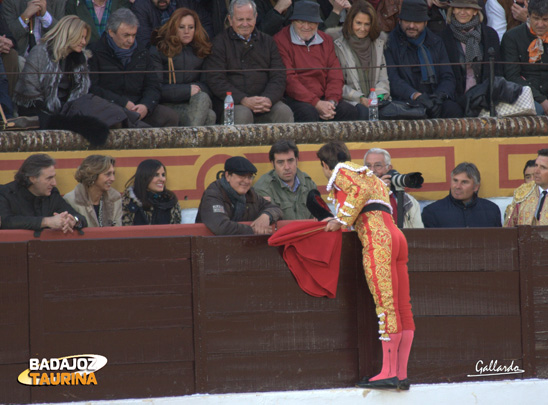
285,185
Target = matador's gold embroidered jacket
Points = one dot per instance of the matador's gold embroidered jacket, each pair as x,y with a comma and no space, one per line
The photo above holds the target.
352,187
523,208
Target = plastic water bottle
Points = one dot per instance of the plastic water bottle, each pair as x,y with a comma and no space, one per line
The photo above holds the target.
229,109
373,106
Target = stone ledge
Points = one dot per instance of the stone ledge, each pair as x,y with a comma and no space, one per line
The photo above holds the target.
266,134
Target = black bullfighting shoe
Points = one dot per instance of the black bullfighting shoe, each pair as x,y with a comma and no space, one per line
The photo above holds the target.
385,383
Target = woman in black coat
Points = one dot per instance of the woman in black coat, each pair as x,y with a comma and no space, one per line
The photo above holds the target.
467,40
181,45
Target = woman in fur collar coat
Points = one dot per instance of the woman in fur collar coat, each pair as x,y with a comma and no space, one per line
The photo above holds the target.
146,200
61,50
94,196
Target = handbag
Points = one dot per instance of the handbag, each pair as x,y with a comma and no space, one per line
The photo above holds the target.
400,110
524,105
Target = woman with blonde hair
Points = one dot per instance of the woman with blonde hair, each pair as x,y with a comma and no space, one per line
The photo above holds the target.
181,45
361,52
55,84
94,196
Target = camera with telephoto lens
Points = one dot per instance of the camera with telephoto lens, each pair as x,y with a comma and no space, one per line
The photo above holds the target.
409,180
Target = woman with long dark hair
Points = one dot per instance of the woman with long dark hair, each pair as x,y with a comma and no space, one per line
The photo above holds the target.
361,52
181,45
146,200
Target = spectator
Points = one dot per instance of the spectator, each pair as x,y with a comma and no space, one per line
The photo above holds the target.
117,51
379,161
529,171
256,93
231,199
152,14
10,57
503,15
5,100
95,13
437,15
94,196
146,200
462,208
315,93
61,50
360,52
411,43
273,15
286,185
529,206
33,202
180,48
468,40
525,48
30,20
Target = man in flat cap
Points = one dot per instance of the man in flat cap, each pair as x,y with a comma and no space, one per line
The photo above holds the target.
231,199
418,65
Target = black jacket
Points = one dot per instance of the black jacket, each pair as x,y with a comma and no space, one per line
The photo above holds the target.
514,49
404,80
150,17
139,88
20,209
451,213
489,39
183,63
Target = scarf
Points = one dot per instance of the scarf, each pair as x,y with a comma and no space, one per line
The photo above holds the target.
363,55
237,200
123,54
166,14
100,25
425,58
536,48
162,204
470,34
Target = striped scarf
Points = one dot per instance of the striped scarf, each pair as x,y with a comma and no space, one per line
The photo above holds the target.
102,25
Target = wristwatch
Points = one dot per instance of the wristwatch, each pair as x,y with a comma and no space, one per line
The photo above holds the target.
78,223
25,20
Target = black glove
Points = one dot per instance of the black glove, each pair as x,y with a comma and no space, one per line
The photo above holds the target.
437,100
425,101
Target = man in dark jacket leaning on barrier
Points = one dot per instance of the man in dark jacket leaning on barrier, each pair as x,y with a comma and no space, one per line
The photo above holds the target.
33,202
462,208
231,199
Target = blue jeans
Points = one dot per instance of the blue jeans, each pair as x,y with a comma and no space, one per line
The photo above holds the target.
539,109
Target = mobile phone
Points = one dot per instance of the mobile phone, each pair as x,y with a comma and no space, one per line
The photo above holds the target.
519,4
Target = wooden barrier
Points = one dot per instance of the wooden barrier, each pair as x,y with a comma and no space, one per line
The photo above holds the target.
183,314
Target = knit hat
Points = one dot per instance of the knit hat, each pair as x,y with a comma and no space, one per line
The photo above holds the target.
414,10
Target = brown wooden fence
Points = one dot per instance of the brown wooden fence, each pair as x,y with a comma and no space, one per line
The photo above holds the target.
179,315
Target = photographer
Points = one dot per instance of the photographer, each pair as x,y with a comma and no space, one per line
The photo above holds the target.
379,161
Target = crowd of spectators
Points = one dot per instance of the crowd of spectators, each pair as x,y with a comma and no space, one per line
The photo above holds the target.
32,201
172,62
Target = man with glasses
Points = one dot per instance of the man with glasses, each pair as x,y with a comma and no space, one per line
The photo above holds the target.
312,93
231,200
379,161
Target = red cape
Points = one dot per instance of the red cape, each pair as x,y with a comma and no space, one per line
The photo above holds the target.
312,255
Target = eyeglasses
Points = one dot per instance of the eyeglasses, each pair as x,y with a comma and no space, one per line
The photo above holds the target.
376,166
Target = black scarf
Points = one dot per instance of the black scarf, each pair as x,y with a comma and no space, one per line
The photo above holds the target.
237,200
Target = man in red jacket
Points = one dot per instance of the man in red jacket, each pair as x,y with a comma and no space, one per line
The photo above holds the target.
316,93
